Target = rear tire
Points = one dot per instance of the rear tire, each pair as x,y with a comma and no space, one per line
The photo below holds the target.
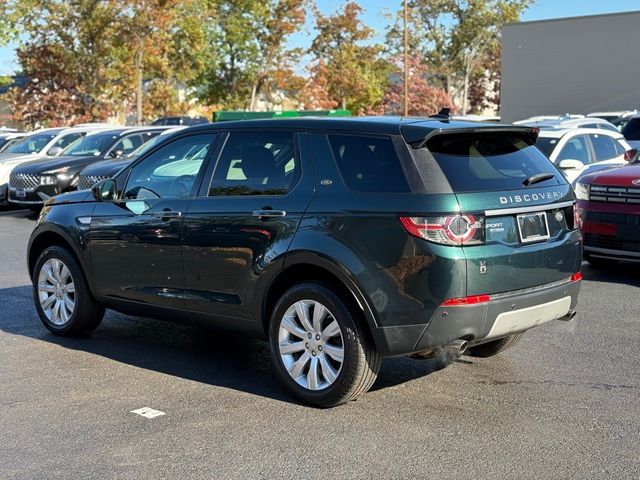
321,351
495,347
62,296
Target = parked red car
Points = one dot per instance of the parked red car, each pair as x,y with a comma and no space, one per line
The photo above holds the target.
609,207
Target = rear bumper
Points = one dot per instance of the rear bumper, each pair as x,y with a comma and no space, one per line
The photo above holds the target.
503,315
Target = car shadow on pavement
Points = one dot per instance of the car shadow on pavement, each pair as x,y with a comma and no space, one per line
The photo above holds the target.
626,273
212,357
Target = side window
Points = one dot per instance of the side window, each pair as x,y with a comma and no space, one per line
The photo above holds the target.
254,163
368,164
576,148
170,172
607,126
604,147
64,142
129,143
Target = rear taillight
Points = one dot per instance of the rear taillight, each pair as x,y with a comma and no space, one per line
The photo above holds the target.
629,154
576,276
577,221
464,301
457,229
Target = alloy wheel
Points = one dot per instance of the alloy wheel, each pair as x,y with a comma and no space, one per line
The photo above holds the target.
56,292
311,345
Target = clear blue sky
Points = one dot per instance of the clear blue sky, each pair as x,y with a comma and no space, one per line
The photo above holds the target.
377,12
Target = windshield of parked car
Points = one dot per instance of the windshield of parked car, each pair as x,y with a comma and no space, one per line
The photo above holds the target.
146,146
95,145
547,145
32,144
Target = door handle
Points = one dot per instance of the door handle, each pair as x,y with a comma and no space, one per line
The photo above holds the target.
266,213
168,214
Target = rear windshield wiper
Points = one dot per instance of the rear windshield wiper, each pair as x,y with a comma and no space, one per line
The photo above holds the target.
537,178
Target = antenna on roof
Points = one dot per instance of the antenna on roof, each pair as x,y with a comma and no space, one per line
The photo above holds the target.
444,113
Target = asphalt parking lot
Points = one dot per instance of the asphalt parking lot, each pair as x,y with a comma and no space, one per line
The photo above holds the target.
563,403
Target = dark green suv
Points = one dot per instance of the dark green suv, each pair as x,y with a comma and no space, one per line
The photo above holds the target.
340,240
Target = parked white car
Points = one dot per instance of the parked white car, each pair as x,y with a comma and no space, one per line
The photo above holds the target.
563,122
613,115
46,142
578,151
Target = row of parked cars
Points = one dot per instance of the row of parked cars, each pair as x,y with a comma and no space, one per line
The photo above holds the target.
599,155
47,162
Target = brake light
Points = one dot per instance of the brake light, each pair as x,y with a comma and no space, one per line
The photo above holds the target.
629,154
458,229
576,276
577,220
472,300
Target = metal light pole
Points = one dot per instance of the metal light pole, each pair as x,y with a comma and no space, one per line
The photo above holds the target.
406,61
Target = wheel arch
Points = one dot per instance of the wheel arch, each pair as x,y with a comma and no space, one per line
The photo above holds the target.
306,266
48,237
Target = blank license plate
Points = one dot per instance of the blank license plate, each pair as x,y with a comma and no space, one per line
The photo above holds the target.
533,227
20,193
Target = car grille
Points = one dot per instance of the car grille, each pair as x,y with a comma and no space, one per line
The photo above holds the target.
88,181
599,193
24,180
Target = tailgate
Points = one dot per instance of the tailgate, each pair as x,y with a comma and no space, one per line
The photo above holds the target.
514,256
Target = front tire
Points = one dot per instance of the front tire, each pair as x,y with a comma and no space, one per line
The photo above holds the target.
495,347
62,296
321,352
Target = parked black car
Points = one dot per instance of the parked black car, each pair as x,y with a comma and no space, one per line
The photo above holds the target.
96,172
177,121
340,240
32,183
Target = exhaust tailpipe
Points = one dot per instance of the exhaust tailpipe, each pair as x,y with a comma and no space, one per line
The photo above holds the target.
457,347
453,350
569,316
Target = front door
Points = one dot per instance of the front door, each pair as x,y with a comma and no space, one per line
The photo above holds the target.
135,242
244,220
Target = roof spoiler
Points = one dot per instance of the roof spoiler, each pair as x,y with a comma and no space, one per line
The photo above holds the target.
418,136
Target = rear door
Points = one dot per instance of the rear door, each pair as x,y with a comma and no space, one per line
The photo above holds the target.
529,234
242,222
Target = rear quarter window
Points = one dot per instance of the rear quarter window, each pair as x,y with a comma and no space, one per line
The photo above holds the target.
368,164
489,161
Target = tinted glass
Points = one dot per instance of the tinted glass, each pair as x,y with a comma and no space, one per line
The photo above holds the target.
607,126
95,145
129,143
576,148
66,140
489,161
631,130
368,164
547,145
32,144
256,164
171,171
603,147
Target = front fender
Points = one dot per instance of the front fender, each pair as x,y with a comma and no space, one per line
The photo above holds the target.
70,223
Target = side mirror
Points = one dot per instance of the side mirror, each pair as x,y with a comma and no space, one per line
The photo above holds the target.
54,151
571,165
116,153
105,191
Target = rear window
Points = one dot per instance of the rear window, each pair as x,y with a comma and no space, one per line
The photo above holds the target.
631,130
368,164
489,161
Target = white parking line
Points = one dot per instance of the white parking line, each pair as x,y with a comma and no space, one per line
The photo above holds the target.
148,412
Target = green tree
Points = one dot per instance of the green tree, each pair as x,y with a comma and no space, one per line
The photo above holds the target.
246,54
355,71
455,38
